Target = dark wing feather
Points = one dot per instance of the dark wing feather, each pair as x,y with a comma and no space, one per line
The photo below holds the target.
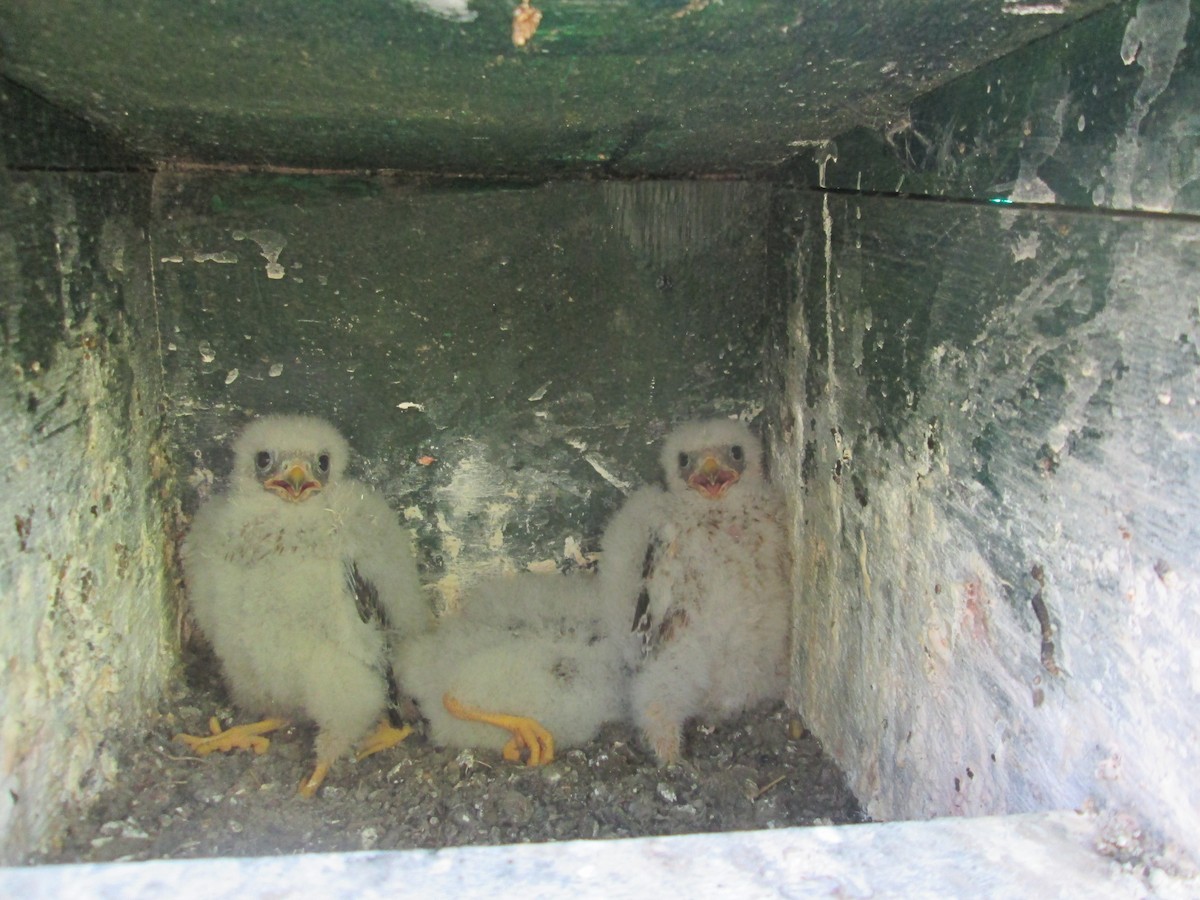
366,596
366,601
642,619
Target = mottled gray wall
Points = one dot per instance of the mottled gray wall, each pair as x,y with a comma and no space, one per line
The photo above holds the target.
534,343
991,438
84,634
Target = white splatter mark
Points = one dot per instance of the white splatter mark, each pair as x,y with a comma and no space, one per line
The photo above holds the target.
224,256
540,392
207,353
749,414
1021,8
231,376
171,259
1026,247
276,370
1154,38
602,470
408,404
270,245
201,477
454,10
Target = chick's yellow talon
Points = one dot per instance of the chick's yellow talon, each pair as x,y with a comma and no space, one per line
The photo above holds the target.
308,787
384,738
239,737
530,742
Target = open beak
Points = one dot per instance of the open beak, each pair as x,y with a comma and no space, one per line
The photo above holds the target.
712,479
295,484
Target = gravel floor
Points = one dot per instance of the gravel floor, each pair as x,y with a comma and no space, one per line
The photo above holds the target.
750,773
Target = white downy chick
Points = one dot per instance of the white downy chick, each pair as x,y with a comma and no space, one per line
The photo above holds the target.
301,577
522,667
700,572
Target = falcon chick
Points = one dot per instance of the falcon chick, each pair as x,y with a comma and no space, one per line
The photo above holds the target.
301,577
701,573
522,667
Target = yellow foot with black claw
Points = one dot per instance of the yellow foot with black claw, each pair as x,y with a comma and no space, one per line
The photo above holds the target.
239,737
384,738
308,787
530,743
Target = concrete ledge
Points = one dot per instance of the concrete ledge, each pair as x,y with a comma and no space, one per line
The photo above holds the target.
1043,855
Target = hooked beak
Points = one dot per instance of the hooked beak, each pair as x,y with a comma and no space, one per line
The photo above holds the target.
295,484
712,479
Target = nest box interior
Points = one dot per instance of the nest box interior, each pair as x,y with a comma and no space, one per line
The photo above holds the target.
942,255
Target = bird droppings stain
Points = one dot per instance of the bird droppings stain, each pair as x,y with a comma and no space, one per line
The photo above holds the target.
207,353
225,257
453,10
276,370
270,245
604,472
231,376
1025,8
1026,246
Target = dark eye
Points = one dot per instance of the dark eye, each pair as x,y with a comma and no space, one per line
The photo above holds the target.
736,452
263,460
323,463
683,460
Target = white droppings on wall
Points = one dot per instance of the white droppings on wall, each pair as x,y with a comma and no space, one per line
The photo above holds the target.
1138,176
997,593
225,257
270,245
85,639
454,10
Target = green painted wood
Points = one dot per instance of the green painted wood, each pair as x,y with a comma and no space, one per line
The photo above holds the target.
37,135
612,87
